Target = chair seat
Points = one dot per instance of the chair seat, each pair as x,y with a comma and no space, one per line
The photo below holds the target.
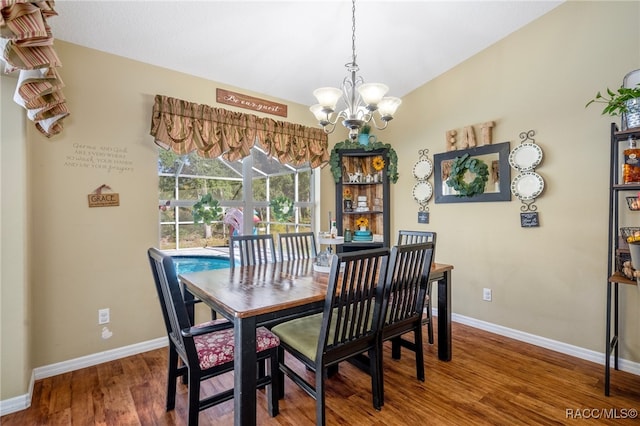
217,348
301,334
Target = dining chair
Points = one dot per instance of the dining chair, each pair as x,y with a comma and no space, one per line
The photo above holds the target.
253,249
413,237
347,327
297,245
206,350
404,299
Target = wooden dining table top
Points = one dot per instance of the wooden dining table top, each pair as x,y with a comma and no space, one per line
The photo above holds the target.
246,291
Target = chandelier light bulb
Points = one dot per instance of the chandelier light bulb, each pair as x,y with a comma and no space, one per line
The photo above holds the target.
319,112
372,93
388,106
328,97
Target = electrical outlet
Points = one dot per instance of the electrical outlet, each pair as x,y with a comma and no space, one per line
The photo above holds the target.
486,294
103,316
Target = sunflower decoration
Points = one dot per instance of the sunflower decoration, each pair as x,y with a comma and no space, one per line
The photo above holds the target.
362,222
378,163
346,194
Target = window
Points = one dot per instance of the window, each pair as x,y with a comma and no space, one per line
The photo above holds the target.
184,179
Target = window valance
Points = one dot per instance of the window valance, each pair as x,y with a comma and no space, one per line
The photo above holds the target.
26,44
185,126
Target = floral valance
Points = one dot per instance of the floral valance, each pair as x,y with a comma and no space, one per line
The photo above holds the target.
213,132
26,45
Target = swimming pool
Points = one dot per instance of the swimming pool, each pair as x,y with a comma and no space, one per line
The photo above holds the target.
187,264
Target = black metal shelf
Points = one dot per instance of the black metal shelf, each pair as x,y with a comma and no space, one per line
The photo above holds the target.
615,277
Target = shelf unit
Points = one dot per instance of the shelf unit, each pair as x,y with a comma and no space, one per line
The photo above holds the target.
617,246
375,189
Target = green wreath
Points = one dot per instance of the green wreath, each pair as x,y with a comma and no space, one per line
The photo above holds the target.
282,208
336,167
206,210
458,169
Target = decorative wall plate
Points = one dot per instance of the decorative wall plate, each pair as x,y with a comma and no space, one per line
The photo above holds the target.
527,186
525,156
422,192
422,169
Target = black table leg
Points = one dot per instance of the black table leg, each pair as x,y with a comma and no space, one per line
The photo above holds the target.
444,317
244,391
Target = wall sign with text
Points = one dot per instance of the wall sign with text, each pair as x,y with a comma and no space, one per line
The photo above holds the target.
249,102
102,196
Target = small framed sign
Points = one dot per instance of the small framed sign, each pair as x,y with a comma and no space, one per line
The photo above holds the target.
423,217
98,198
249,102
529,220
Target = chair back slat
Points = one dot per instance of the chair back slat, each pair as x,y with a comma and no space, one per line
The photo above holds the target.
297,245
415,237
253,249
174,310
406,282
353,304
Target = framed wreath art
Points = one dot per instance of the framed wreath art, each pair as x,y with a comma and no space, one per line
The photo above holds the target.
459,168
478,174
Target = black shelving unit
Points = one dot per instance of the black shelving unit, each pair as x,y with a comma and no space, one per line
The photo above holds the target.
617,246
376,191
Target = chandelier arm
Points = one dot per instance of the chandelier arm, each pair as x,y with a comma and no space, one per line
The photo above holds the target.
375,123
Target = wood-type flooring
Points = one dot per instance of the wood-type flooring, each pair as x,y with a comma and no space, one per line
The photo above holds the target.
491,380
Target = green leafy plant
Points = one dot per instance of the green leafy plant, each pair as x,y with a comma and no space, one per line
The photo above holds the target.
616,102
336,167
206,210
365,129
458,169
282,208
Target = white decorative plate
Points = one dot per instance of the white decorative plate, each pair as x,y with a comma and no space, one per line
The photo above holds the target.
422,169
422,192
527,185
525,156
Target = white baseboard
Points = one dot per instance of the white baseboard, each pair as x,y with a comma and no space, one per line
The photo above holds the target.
554,345
22,402
18,403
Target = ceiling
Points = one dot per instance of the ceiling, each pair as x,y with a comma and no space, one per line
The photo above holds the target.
286,49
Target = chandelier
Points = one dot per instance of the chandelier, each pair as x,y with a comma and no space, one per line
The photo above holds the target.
361,99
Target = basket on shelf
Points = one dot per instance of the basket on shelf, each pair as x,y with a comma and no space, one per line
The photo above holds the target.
631,235
623,264
633,203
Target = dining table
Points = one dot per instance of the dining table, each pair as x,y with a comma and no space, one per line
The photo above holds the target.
267,294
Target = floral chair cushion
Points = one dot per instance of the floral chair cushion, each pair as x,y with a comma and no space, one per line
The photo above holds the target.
217,348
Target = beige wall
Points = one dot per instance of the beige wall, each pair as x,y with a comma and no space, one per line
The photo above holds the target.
15,366
92,258
547,281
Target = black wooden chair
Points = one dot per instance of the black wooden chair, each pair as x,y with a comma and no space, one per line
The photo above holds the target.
253,249
348,326
297,245
206,350
404,299
413,237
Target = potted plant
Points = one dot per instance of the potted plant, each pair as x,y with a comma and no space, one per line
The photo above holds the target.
363,134
625,102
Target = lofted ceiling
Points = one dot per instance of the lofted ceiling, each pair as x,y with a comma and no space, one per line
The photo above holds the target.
286,49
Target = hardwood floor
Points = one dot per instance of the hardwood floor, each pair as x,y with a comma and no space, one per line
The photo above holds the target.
492,380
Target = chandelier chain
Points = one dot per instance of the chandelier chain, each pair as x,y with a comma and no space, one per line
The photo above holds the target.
353,31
